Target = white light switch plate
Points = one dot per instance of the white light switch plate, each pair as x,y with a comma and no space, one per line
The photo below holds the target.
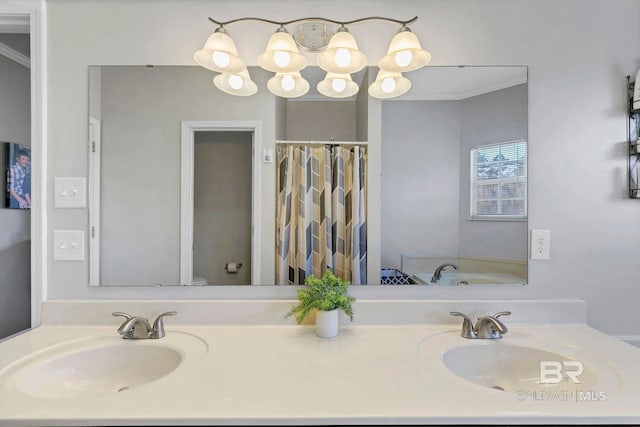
70,192
540,244
267,155
68,245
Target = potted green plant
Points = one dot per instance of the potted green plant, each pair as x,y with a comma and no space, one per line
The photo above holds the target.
327,295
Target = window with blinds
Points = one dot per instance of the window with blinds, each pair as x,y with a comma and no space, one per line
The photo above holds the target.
499,181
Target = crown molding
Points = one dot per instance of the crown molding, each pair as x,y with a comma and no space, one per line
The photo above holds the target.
320,97
458,96
14,23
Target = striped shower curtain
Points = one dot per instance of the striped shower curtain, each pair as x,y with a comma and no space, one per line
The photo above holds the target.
321,213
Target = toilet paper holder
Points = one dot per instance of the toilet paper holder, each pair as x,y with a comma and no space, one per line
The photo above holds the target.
232,267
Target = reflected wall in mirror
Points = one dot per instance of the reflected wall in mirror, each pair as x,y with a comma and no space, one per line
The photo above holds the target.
171,198
454,178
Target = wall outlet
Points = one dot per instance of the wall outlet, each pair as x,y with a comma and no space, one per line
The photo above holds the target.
540,244
70,192
68,245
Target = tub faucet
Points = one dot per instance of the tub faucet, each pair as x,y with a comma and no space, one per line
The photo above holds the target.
436,276
139,328
487,327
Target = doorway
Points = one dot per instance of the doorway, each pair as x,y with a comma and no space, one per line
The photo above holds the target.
222,208
220,203
15,161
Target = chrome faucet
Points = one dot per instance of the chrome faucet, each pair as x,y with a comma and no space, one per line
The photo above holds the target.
436,276
490,327
487,327
139,328
468,331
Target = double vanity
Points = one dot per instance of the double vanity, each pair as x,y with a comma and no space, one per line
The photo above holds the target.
401,362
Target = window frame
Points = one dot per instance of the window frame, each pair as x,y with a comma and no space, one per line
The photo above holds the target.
473,183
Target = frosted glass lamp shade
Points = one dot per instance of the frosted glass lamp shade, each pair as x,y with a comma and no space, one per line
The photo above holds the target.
288,85
389,85
342,55
405,53
219,54
338,86
282,55
238,84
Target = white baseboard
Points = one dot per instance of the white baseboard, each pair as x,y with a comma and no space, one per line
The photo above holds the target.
630,339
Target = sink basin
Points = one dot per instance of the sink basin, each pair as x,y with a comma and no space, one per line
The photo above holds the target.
100,365
512,368
512,365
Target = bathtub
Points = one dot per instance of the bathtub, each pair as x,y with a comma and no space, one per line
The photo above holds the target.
468,278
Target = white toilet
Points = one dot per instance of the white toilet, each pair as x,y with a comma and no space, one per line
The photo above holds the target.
199,281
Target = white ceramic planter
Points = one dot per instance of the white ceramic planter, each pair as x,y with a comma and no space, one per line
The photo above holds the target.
327,323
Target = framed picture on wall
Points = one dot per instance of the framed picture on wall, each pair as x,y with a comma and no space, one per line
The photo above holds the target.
17,174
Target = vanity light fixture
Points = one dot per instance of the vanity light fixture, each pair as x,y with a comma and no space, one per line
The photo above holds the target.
339,58
239,84
288,85
337,85
281,54
405,53
389,84
342,55
219,54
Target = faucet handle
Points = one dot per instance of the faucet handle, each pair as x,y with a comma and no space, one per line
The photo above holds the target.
457,313
158,325
501,313
121,314
467,325
490,327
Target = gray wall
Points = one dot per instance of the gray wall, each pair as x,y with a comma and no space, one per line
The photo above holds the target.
426,182
15,277
95,92
420,179
222,206
140,164
321,120
281,118
499,116
140,176
362,109
574,101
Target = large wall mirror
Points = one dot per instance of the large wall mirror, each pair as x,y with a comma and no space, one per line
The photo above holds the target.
177,172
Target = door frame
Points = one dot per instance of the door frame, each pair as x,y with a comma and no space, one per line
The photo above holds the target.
95,151
28,16
188,130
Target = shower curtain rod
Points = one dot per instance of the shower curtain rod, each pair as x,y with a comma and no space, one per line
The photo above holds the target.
320,143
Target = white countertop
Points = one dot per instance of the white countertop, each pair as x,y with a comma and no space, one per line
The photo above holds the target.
371,374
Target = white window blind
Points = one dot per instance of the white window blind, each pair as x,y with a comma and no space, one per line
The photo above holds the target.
499,181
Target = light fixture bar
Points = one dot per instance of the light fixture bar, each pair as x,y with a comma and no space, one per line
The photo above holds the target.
339,58
332,21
